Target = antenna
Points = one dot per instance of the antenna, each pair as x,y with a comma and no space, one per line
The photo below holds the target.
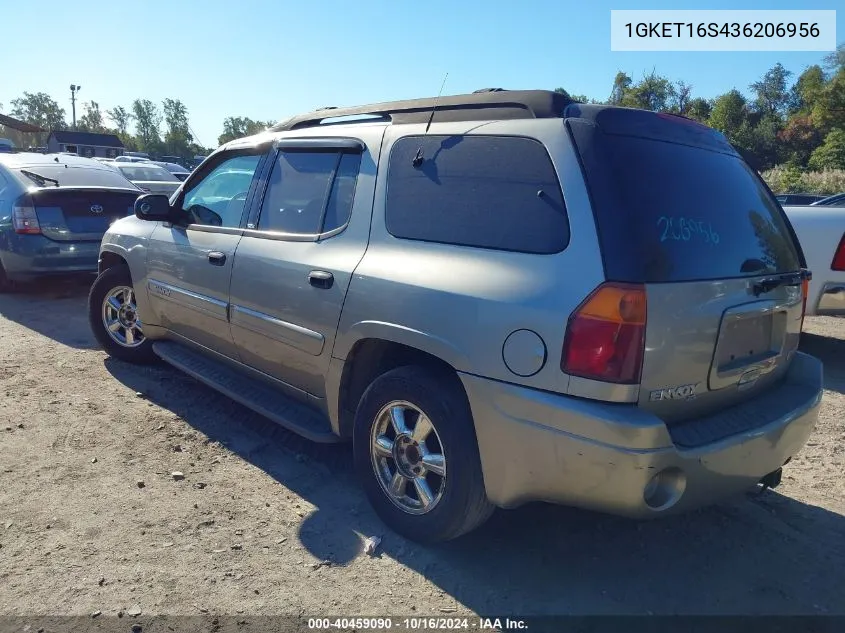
418,159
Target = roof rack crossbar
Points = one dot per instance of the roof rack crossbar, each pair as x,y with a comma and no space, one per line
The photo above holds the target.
526,104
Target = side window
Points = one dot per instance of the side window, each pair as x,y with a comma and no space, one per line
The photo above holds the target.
218,199
343,192
482,191
309,192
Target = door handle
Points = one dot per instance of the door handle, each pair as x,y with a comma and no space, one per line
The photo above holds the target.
216,258
321,279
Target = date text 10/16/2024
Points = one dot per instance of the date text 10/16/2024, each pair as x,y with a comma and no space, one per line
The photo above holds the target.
418,624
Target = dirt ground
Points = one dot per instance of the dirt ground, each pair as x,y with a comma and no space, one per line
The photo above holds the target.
266,523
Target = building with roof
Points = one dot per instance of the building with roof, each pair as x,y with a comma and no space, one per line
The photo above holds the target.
87,144
20,133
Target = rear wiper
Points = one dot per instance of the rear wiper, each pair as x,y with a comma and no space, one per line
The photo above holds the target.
767,284
39,178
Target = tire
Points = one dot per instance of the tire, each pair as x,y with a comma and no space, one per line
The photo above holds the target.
110,281
457,502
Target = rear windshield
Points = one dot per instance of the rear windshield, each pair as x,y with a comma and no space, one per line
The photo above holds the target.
74,176
668,211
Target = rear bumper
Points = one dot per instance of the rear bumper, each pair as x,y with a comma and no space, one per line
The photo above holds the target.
619,459
26,257
831,300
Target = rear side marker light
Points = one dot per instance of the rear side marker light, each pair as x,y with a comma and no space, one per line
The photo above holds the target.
605,336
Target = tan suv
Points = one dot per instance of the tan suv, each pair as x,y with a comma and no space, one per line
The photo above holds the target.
498,297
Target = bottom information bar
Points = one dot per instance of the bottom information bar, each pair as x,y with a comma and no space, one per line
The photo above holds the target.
535,624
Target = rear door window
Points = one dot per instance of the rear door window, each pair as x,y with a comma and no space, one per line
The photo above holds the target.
309,192
671,211
480,191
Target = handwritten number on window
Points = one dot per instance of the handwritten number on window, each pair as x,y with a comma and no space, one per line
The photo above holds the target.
685,229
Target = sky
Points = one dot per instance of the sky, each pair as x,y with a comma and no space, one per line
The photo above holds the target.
269,60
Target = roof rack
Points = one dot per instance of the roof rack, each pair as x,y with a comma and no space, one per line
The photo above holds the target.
489,104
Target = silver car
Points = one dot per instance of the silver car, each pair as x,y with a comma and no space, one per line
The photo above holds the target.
496,297
150,177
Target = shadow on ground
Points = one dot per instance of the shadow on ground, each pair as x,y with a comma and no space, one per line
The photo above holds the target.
56,309
766,555
831,351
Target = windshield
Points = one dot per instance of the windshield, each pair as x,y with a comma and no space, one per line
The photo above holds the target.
74,176
147,173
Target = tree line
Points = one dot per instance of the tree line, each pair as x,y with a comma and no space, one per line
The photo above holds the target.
157,130
797,124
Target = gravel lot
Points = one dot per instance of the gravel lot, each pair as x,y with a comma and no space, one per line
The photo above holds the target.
265,523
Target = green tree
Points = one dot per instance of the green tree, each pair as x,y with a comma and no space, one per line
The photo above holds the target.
177,137
835,61
147,122
729,113
121,118
38,108
700,109
799,137
808,88
771,94
621,84
758,142
682,98
829,109
831,153
576,98
653,92
92,119
238,127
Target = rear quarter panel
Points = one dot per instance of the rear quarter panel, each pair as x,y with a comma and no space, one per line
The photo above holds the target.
819,229
461,303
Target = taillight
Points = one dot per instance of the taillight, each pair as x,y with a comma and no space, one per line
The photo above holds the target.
24,218
605,336
838,262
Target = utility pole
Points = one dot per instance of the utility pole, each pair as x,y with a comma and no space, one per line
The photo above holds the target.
73,90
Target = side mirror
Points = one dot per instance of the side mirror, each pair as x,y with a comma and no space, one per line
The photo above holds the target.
153,207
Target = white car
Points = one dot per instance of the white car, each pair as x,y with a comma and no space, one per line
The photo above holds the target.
821,232
150,177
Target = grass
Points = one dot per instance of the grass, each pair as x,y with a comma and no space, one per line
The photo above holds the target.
786,179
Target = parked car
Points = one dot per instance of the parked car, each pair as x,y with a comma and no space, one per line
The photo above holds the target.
427,290
150,177
837,200
821,231
794,199
174,168
131,159
54,210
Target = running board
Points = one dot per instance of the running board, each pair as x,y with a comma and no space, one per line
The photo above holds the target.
250,392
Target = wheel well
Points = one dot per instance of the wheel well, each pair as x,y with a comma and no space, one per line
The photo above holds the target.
109,260
369,359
